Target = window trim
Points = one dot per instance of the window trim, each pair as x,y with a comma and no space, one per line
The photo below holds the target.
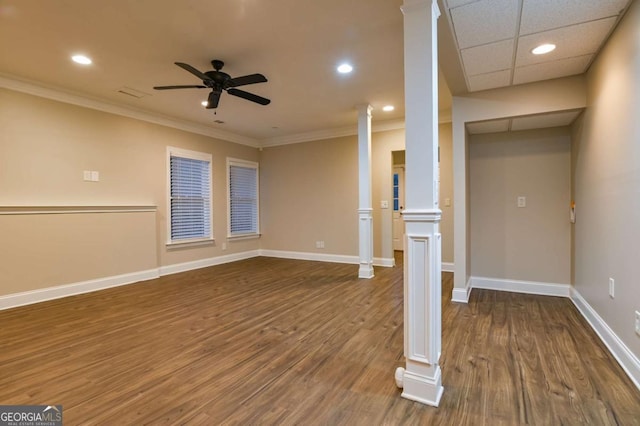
194,155
247,164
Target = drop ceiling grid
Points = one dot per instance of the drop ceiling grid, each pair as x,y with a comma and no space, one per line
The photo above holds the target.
574,40
550,70
543,15
479,23
488,31
488,58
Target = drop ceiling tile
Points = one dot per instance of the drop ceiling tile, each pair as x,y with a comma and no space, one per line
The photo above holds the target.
572,41
493,126
489,81
542,15
485,21
488,58
549,70
457,3
543,121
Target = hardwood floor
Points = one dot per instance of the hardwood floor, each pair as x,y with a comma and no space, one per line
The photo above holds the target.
276,341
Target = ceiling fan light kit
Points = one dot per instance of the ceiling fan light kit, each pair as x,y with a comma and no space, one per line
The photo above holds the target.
219,81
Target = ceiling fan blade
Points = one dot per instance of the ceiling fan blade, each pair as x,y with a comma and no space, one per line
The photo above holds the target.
247,79
191,86
214,98
192,70
249,96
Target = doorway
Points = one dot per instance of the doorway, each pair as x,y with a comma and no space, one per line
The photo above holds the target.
398,199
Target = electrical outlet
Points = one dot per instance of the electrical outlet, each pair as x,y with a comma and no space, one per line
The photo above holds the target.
522,201
612,288
320,244
87,175
638,323
224,246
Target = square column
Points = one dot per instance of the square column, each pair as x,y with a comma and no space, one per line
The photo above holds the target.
421,378
365,210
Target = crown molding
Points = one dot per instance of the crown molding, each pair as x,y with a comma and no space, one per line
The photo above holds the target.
337,132
61,95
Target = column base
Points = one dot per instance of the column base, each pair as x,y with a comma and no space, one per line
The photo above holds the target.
366,271
419,388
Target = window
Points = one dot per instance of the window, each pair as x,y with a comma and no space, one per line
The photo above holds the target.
243,198
189,196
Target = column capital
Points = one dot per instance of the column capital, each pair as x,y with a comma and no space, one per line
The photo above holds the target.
364,108
415,5
422,215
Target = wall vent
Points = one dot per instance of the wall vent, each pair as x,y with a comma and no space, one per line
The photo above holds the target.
218,121
132,92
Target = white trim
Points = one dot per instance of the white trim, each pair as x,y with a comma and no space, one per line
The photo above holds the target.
385,262
249,165
627,360
31,210
338,132
173,151
448,267
42,295
461,295
61,95
322,257
516,286
205,263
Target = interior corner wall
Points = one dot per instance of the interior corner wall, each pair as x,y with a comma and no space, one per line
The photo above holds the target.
530,243
533,98
309,193
45,146
607,183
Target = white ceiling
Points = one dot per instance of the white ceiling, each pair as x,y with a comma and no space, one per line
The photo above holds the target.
295,44
494,38
525,122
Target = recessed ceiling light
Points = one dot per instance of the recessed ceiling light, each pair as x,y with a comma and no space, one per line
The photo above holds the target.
204,103
543,48
345,68
388,108
81,59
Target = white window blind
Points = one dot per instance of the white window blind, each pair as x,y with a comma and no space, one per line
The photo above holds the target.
190,196
243,198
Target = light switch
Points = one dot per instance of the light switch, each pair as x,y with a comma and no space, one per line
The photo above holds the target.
87,175
384,204
447,202
522,201
95,176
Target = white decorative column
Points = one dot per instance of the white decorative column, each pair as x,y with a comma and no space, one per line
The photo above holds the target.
421,378
365,211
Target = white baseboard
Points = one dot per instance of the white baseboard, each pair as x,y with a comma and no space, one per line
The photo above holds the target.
461,295
41,295
384,262
516,286
204,263
324,257
448,267
627,360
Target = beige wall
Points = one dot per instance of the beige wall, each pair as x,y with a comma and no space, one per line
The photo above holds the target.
607,182
44,147
309,193
534,98
531,243
382,146
446,190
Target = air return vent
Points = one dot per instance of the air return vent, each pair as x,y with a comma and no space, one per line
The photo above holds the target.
132,92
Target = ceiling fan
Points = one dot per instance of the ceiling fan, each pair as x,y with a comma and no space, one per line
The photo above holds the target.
218,81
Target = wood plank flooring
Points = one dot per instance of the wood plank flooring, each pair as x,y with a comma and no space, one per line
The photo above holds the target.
276,341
